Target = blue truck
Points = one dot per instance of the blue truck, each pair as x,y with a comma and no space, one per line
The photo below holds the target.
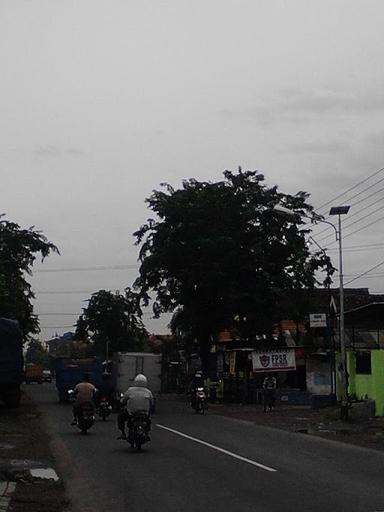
70,371
11,362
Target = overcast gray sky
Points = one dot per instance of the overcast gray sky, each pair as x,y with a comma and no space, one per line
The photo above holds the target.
101,101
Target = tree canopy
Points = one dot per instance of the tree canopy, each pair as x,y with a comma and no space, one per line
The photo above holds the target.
18,251
37,354
115,319
219,253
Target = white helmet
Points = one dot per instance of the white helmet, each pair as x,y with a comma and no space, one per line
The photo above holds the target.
141,380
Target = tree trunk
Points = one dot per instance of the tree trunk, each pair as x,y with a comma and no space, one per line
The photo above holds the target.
205,351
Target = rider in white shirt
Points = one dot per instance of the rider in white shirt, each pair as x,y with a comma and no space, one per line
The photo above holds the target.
137,398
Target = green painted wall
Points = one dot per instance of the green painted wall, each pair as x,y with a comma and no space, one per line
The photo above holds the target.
368,385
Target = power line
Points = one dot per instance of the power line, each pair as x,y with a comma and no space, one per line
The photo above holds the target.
351,188
360,249
368,197
356,231
58,314
364,217
63,292
366,272
362,228
57,326
364,190
346,226
146,313
357,247
89,269
354,215
378,274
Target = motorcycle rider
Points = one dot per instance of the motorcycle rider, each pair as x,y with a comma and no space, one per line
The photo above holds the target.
269,392
106,389
84,392
137,398
196,382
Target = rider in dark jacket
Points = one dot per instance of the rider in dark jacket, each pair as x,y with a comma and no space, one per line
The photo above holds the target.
106,388
196,382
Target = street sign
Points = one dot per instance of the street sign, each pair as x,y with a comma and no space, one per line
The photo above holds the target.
318,320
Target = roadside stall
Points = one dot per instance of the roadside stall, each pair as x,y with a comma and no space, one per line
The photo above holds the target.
242,367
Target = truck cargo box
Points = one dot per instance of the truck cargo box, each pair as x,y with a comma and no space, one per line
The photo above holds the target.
70,371
129,364
33,373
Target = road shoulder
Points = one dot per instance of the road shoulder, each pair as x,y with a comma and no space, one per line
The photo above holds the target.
26,447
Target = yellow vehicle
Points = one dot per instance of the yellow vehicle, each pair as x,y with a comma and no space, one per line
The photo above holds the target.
33,373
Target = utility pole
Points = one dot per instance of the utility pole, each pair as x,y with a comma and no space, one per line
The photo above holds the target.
342,210
335,210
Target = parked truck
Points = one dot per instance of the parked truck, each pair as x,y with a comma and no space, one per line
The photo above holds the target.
127,365
11,362
70,372
33,373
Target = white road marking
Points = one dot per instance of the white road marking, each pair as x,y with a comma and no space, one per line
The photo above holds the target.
231,454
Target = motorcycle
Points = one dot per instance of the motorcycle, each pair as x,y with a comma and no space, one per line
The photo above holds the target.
138,434
85,417
199,401
105,408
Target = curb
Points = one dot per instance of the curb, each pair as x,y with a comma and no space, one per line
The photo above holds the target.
7,490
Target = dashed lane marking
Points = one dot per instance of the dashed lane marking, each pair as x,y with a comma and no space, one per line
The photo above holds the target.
217,448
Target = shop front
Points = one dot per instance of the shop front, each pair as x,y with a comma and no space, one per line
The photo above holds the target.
242,371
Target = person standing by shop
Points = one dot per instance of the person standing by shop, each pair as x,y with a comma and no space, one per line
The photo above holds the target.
269,392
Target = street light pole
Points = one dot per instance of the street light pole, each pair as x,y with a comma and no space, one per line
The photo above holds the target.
335,210
339,211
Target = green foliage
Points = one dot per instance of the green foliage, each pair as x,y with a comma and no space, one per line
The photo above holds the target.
18,251
37,354
75,349
113,318
219,254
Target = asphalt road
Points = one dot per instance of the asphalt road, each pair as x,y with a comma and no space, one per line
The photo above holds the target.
210,463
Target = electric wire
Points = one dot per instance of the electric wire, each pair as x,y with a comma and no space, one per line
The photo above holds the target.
353,215
366,272
358,248
350,189
360,229
87,269
346,226
56,326
63,292
146,313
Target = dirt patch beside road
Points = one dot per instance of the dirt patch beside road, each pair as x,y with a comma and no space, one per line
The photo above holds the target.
25,444
305,420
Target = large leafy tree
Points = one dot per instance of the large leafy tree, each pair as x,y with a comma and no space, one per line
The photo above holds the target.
219,253
19,249
36,353
113,319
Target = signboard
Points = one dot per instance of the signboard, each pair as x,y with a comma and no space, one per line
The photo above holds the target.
273,360
318,320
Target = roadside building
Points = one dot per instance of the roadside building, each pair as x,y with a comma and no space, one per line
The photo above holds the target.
365,354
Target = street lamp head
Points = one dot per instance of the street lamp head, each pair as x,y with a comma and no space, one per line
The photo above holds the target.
286,212
339,210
